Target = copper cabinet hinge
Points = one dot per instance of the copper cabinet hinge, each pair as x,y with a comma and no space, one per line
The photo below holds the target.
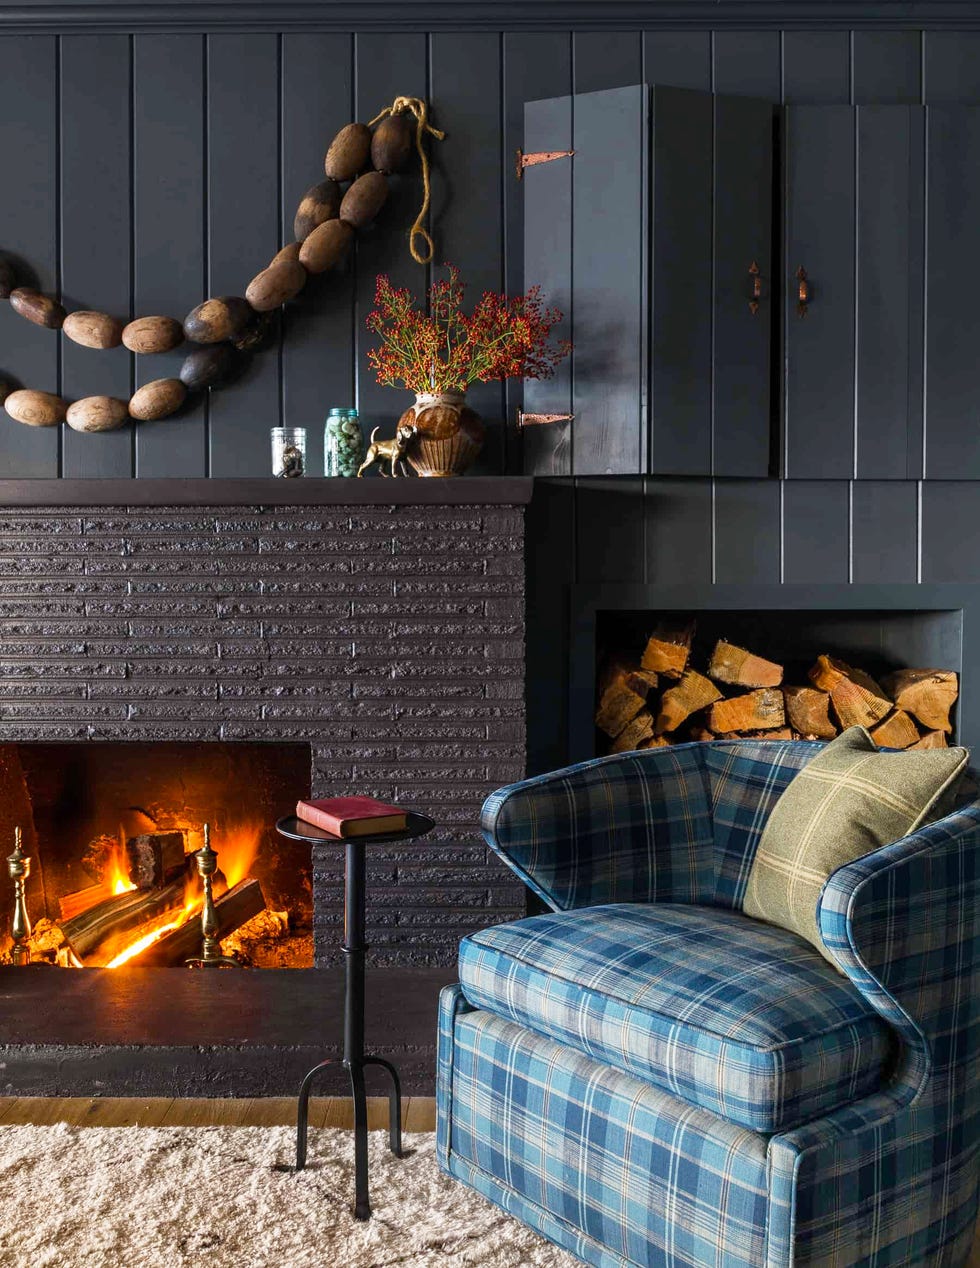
537,420
542,156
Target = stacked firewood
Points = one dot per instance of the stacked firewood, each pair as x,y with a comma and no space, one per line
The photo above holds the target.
660,699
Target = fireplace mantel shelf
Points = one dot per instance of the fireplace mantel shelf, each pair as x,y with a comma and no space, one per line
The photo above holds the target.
267,491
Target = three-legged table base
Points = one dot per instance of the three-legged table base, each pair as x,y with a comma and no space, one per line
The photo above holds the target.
355,1070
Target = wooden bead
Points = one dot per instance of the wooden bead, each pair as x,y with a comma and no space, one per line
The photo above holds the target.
93,330
275,285
8,278
288,252
152,334
391,145
158,399
349,152
36,409
364,199
204,367
319,203
217,319
97,413
326,246
42,310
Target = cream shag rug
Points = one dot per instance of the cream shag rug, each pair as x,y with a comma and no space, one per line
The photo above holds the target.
212,1197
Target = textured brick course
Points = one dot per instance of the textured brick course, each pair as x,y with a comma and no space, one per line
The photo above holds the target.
389,638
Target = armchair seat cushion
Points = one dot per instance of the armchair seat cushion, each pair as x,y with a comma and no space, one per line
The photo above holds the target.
724,1012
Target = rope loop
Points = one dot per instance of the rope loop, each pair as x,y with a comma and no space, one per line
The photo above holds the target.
419,109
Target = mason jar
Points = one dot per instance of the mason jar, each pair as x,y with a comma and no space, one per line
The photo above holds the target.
343,444
288,451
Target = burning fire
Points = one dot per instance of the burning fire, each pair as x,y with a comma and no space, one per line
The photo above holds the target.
237,849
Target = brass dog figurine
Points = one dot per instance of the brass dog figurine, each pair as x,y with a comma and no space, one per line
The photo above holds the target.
392,451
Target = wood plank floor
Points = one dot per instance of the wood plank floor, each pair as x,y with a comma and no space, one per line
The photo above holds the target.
418,1112
418,1115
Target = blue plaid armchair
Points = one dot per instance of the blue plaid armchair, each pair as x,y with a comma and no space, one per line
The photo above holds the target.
649,1077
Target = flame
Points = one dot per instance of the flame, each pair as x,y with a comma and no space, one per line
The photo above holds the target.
237,846
191,906
117,871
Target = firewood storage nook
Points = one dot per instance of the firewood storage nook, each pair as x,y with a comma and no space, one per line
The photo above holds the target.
667,665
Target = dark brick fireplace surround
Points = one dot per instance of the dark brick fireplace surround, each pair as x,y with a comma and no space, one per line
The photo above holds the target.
382,623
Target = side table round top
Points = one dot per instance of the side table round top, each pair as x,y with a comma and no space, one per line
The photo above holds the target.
299,830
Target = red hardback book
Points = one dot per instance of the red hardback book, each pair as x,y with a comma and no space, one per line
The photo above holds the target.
352,816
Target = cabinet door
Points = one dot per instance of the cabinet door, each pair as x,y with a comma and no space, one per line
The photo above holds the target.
952,424
855,226
650,238
710,337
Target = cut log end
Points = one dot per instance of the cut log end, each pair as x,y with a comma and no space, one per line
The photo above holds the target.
740,668
928,694
668,650
693,692
760,710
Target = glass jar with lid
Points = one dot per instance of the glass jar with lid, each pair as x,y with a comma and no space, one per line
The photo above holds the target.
343,443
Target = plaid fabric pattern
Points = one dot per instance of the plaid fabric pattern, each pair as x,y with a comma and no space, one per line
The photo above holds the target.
889,1180
731,1015
630,828
605,1165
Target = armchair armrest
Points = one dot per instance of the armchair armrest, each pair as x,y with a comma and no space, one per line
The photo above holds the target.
636,827
904,925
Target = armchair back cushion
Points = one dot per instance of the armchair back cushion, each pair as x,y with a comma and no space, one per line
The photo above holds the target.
849,800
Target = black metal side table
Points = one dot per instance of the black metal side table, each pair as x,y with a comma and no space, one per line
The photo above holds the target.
354,947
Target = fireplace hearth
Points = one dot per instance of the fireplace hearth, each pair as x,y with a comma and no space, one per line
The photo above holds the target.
373,633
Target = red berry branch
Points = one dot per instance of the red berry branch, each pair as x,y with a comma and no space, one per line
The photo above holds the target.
444,350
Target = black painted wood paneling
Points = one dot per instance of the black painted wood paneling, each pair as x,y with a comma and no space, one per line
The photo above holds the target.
819,209
29,232
609,200
681,305
889,254
952,281
747,62
170,232
387,65
606,59
885,531
317,329
951,531
616,552
548,264
746,531
951,66
243,217
536,65
678,530
740,339
816,545
681,59
886,66
465,81
95,235
816,66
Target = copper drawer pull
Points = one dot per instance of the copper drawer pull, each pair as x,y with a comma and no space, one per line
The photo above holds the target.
755,278
802,292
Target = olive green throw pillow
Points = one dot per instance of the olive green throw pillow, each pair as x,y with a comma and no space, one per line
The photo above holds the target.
850,799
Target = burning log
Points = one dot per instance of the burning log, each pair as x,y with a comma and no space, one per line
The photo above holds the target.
155,858
89,930
236,906
80,900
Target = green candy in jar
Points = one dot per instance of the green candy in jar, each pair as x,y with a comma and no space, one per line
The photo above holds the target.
343,444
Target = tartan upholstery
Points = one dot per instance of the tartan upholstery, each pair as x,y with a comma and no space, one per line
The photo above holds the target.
734,1016
623,1173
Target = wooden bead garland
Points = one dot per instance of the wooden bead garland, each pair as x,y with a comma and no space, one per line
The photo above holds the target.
225,327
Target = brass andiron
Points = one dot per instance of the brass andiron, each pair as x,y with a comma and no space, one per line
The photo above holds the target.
19,867
210,957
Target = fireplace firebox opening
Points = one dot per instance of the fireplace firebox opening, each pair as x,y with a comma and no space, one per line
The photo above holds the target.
111,830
